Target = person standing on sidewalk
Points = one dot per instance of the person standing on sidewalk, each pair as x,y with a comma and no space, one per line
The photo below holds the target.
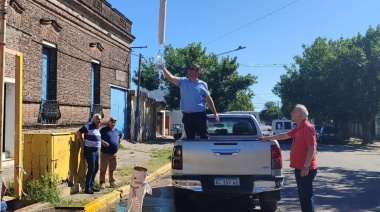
90,143
194,95
302,155
111,138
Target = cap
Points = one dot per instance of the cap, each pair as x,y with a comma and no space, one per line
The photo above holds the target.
112,118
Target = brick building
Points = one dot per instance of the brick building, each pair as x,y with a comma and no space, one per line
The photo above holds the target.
76,62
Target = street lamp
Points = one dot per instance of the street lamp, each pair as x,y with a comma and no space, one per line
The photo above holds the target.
237,49
137,111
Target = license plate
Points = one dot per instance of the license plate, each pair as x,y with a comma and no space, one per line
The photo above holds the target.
227,181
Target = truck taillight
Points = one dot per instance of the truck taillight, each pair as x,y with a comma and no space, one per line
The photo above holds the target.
276,157
177,157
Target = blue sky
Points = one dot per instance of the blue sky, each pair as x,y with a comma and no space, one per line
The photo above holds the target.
272,31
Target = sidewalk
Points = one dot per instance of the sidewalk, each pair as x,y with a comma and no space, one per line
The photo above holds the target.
130,155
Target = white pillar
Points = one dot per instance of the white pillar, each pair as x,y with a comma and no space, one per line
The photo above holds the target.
163,123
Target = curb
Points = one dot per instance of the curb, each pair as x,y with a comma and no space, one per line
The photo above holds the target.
110,198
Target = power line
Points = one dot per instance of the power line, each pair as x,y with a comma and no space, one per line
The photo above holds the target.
259,19
265,65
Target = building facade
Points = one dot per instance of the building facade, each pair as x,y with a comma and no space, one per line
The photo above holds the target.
76,62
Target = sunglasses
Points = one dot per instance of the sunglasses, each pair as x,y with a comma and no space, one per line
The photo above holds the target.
114,121
194,69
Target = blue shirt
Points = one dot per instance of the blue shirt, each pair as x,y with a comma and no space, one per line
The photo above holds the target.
91,135
112,137
193,94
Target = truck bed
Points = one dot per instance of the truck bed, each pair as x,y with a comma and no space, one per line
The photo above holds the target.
226,157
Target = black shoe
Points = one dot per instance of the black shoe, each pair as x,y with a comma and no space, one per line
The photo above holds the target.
95,190
88,191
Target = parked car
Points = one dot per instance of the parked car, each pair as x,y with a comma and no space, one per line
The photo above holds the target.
329,134
318,130
281,125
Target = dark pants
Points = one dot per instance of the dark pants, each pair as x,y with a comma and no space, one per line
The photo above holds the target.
305,189
92,158
195,123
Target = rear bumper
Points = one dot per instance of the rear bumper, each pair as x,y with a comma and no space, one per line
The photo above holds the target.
256,186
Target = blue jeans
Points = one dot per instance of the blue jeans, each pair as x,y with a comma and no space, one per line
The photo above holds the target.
92,158
3,206
305,189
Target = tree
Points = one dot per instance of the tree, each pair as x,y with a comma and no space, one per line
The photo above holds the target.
337,80
243,102
229,90
150,78
271,111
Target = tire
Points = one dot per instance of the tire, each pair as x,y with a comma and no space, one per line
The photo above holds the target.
177,136
180,199
266,203
268,206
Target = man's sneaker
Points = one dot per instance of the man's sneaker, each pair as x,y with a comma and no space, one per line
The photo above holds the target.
95,190
113,184
88,191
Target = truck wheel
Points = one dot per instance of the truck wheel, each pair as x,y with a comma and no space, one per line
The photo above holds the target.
268,206
268,200
177,136
180,198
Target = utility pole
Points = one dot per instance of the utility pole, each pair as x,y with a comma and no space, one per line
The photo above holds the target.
137,111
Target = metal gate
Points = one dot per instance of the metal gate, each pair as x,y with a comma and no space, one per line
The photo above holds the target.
119,98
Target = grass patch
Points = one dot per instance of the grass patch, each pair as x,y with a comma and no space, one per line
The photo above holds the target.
163,153
48,189
159,158
121,147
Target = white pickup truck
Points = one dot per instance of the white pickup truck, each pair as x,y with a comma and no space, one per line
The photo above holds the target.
232,164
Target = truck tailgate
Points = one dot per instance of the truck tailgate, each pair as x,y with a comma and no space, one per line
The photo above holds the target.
226,157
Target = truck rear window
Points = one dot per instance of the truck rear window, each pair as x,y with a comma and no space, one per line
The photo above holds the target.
231,126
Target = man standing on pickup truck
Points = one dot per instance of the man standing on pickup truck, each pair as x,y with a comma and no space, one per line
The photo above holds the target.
302,155
194,95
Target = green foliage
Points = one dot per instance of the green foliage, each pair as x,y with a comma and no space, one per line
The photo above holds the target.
47,189
121,147
271,111
229,90
149,76
243,102
337,80
10,189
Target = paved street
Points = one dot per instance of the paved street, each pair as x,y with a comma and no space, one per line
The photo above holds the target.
347,180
